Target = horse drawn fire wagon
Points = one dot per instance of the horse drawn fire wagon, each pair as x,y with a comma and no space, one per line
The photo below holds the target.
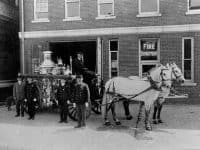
47,78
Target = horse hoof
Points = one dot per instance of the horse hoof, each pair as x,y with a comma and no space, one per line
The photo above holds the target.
118,123
160,121
129,117
107,123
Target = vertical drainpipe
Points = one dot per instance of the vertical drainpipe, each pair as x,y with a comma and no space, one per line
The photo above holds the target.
22,39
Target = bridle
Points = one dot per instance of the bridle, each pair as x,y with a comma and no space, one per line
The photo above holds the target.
177,76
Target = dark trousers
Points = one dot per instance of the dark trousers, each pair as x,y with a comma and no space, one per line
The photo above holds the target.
126,107
20,107
31,108
81,114
63,112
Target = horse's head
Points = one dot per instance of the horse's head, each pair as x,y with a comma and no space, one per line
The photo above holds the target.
161,76
177,74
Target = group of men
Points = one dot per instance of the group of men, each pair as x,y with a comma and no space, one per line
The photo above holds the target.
26,95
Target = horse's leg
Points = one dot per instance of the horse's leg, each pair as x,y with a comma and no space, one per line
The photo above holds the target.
159,111
117,122
139,113
126,109
147,119
155,112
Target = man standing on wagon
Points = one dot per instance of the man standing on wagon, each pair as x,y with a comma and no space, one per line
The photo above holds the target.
63,96
81,97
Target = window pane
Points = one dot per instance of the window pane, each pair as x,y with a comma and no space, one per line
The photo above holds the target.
149,45
73,9
106,9
146,68
114,73
113,45
42,15
114,56
194,4
42,6
149,5
187,69
187,49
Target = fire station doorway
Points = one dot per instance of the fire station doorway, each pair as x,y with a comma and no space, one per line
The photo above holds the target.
65,50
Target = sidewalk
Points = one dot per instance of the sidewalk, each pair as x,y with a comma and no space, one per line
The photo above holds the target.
181,130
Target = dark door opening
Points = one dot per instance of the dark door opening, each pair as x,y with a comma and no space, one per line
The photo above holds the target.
64,50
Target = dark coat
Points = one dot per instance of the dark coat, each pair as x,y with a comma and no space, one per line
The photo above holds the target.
63,94
81,94
18,91
31,91
78,66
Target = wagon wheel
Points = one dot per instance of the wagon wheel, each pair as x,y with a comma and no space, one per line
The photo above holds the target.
73,114
96,106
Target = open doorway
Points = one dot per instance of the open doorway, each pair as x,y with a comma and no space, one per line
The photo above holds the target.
65,50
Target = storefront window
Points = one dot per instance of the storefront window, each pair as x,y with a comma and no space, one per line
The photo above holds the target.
188,58
114,66
149,54
194,4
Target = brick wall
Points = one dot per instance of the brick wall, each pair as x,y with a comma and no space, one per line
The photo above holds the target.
173,12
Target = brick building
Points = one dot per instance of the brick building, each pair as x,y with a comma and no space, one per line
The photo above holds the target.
9,45
117,37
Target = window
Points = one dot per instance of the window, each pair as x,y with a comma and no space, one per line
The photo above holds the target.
187,65
72,10
148,8
113,58
193,7
149,55
105,9
40,10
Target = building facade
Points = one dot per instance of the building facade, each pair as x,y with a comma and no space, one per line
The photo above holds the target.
9,45
117,37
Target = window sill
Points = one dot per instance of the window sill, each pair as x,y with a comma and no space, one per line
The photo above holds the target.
72,19
192,12
189,84
105,17
149,15
40,20
178,96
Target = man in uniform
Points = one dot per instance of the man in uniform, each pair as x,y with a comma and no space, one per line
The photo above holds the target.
31,95
18,95
78,66
81,98
63,96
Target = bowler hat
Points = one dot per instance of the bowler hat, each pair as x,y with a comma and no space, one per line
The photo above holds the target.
79,76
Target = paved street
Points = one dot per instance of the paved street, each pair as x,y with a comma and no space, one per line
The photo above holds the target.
181,130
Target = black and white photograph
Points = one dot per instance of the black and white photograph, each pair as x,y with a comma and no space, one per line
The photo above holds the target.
99,75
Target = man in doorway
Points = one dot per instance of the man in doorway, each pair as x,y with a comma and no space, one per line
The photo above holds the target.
78,64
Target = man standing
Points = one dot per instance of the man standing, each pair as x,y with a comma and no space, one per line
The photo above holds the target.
78,65
18,95
63,96
31,95
81,98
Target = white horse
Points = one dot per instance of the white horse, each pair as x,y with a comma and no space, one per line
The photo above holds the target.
177,76
145,91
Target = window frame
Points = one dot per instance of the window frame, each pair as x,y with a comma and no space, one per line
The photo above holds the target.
192,58
35,16
99,16
66,11
190,12
149,14
148,62
110,52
